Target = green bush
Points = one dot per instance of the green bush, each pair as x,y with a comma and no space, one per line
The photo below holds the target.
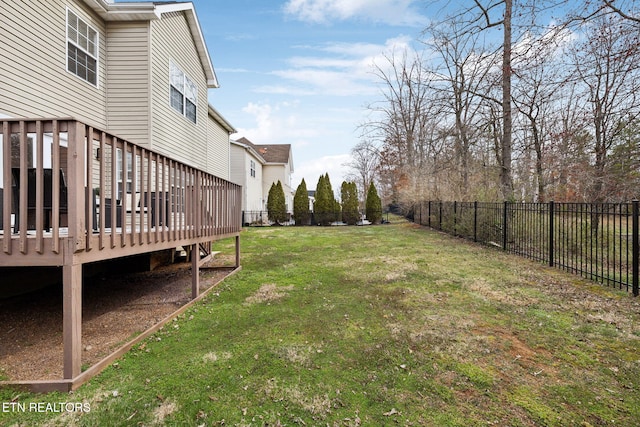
349,194
276,204
326,208
301,212
373,205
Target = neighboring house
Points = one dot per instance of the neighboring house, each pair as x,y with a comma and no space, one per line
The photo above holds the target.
262,165
247,170
312,199
108,145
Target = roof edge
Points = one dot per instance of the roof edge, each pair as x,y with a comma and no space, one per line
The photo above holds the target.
220,119
129,11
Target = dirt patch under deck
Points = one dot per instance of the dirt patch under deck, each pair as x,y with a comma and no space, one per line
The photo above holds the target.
115,309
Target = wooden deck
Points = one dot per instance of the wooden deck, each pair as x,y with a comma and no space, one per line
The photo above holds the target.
72,194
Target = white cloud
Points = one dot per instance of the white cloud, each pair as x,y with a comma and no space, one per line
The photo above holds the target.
275,124
327,82
317,139
393,12
232,70
338,69
283,90
312,169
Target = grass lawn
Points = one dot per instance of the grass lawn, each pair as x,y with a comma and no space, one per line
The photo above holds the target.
377,325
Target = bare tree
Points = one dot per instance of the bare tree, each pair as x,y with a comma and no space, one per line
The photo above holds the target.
539,81
460,71
485,20
606,66
403,122
365,158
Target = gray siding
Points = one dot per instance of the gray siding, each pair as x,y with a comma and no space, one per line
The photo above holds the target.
34,81
238,171
218,147
173,134
238,174
128,83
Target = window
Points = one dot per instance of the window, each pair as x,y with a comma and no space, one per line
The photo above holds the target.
253,168
82,49
184,93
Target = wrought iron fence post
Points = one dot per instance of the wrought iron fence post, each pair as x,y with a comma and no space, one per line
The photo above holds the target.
635,251
504,226
551,227
475,221
455,217
440,217
429,213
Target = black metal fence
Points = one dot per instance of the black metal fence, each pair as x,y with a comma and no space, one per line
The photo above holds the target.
258,218
598,241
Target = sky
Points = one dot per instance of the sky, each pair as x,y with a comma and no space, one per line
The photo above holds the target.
300,72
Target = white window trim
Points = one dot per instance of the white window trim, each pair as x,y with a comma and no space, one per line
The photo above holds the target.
66,48
185,78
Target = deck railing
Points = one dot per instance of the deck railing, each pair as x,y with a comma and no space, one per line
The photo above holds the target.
71,188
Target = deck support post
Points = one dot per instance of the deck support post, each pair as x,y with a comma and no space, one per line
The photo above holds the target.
195,271
72,319
237,251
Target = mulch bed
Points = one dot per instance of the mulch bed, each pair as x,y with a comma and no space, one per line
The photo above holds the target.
115,309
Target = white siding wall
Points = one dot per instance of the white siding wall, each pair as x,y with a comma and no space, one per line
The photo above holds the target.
128,82
256,198
171,133
34,81
274,173
238,174
218,147
252,193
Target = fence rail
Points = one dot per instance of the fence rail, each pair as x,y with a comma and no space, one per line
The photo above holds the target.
598,241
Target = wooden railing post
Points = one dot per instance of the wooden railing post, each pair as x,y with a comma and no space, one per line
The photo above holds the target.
76,184
6,196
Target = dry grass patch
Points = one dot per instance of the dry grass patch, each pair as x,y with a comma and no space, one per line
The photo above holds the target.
268,293
167,408
369,268
214,357
511,297
318,405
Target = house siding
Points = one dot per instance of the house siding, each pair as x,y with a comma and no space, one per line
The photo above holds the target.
128,85
278,172
173,134
34,81
218,147
256,198
238,173
252,194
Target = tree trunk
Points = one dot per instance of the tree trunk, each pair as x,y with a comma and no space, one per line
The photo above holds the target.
506,179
